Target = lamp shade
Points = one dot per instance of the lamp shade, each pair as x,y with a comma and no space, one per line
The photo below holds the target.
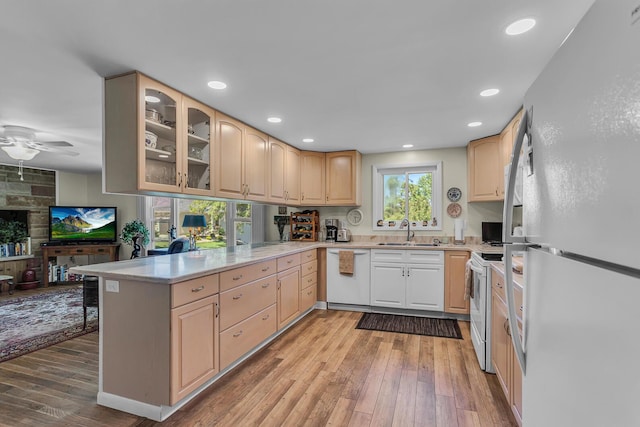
194,221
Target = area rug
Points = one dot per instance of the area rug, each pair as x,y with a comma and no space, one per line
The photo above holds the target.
37,321
445,328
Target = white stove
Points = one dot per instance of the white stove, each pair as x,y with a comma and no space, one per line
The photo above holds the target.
481,306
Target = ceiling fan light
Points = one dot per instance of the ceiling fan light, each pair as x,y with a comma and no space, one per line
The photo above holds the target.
20,152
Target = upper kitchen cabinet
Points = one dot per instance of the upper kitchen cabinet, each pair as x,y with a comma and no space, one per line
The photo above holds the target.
241,167
484,161
284,165
312,179
156,139
343,176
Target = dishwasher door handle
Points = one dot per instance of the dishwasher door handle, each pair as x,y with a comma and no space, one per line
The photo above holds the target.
335,252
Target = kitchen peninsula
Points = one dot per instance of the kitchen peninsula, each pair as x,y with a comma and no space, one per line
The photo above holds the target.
172,325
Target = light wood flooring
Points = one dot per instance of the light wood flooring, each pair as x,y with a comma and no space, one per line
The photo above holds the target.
320,372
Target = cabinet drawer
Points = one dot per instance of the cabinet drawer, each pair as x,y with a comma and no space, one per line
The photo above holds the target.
243,301
239,339
309,280
309,255
307,298
288,261
389,255
192,290
309,268
425,257
239,276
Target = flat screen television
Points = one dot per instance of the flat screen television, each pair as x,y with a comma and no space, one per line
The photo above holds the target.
492,233
83,224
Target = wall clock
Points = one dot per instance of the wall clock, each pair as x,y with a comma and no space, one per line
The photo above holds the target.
354,216
454,194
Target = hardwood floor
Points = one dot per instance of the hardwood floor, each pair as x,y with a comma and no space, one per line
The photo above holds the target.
322,371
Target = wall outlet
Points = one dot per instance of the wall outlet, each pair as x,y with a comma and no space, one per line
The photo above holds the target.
112,286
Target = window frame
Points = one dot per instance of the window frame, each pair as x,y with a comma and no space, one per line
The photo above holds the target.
377,205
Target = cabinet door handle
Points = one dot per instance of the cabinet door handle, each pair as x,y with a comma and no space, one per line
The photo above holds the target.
408,271
217,309
309,293
180,182
301,196
498,285
265,317
237,297
290,261
266,285
402,271
237,334
496,191
197,289
265,269
237,277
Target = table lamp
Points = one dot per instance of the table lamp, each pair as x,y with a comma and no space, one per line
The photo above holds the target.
193,221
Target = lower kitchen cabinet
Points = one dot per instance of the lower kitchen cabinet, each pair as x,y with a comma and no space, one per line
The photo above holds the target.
242,337
454,282
288,296
194,345
407,279
503,355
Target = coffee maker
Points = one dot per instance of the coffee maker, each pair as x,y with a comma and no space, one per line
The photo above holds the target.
332,229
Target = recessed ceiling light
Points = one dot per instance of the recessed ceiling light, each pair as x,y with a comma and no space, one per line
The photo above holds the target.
214,84
521,26
407,146
307,140
274,119
489,92
474,124
152,99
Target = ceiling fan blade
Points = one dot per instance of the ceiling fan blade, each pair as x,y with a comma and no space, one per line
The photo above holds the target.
43,145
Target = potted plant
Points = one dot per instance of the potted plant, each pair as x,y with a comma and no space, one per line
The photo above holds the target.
135,233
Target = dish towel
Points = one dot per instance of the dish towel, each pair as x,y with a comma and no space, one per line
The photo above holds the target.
468,286
345,262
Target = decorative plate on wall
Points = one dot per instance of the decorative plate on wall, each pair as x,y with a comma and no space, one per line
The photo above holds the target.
454,210
454,194
354,216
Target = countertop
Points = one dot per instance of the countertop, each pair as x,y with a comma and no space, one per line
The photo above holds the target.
518,278
168,269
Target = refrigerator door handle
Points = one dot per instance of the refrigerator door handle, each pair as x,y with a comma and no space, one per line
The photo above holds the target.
518,343
507,214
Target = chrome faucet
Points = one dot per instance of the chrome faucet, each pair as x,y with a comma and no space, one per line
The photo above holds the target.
406,222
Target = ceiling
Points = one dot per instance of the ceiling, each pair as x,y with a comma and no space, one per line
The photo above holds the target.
370,75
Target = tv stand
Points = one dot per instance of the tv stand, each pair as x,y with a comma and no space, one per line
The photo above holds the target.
54,251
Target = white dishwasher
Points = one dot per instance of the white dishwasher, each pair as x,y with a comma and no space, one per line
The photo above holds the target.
348,288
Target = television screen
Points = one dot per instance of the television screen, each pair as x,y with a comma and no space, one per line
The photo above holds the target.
82,224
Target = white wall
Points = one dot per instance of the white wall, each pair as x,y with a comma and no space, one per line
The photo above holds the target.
454,171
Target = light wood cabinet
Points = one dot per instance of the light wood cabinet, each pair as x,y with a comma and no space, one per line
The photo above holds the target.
241,167
343,176
244,336
312,178
194,346
308,280
156,139
288,296
503,355
485,170
454,282
486,160
284,165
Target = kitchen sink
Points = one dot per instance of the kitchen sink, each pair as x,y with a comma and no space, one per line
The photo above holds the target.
406,244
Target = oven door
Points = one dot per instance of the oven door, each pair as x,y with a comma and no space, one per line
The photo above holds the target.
478,298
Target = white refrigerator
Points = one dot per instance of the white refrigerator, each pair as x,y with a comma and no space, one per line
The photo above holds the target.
580,142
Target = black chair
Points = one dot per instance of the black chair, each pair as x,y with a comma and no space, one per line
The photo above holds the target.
90,295
179,245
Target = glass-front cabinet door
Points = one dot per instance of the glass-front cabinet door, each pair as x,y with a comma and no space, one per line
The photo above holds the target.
198,148
161,136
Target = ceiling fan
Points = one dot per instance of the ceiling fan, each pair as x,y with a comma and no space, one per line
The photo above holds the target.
20,143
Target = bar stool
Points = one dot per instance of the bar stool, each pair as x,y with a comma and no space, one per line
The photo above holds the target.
90,295
9,280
